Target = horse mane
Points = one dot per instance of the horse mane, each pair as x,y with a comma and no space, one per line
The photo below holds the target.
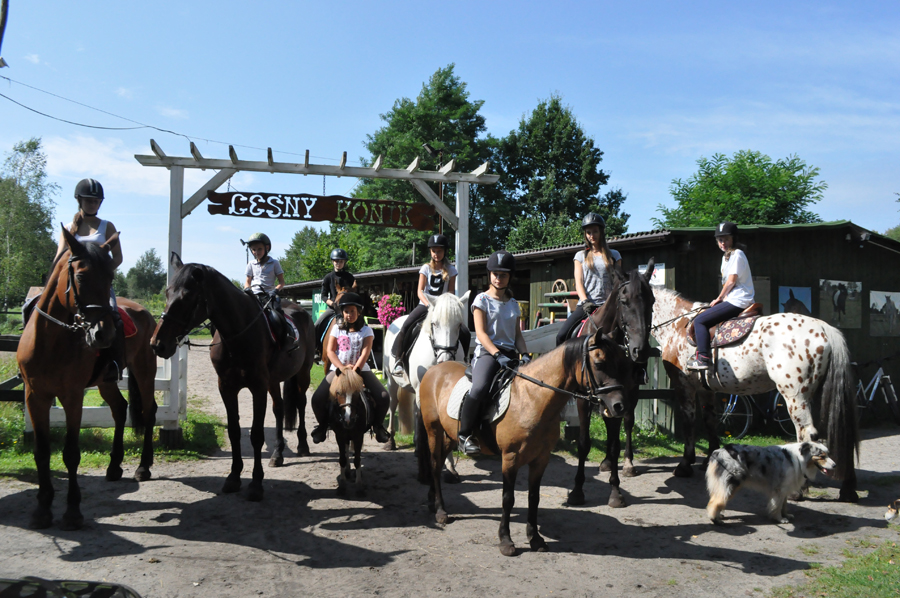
184,275
446,311
347,384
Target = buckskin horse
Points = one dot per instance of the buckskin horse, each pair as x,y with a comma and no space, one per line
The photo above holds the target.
58,358
806,359
244,355
625,317
529,429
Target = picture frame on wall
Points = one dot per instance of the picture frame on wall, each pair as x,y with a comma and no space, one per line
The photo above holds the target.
840,303
884,313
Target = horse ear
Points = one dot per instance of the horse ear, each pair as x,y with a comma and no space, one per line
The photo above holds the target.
465,298
618,275
432,299
74,244
111,242
649,273
176,262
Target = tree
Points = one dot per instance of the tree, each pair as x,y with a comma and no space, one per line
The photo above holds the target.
27,244
309,255
748,188
894,233
120,284
147,277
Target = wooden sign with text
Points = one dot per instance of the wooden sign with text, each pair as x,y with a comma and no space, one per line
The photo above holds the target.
304,207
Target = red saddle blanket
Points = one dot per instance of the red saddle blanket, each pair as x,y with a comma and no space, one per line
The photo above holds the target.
128,323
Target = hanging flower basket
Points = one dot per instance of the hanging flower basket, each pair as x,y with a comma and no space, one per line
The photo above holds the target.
390,307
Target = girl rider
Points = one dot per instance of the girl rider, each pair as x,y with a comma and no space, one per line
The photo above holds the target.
262,274
435,278
593,266
87,227
736,295
349,346
498,343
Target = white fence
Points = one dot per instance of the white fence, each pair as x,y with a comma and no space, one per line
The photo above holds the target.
171,411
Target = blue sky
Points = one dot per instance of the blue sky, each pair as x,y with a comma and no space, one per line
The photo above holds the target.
657,85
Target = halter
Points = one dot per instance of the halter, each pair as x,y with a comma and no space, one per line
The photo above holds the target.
442,348
82,322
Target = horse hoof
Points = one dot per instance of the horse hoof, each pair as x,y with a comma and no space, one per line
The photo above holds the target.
72,521
575,499
628,472
507,549
142,474
538,545
796,496
41,520
450,478
231,485
113,474
303,450
617,502
683,471
848,496
605,466
276,461
441,517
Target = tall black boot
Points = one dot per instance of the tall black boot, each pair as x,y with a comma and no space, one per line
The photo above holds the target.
468,418
117,353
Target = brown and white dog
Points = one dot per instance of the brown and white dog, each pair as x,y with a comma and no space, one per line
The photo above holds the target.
891,513
777,471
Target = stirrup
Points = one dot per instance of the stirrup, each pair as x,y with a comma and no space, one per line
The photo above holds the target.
398,367
469,445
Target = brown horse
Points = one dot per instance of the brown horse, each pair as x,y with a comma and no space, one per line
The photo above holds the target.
528,431
58,358
243,354
349,421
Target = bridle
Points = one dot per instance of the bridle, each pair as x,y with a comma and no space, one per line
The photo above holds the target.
438,349
83,322
184,339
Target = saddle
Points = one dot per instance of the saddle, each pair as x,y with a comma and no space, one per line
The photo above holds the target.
730,331
408,342
282,329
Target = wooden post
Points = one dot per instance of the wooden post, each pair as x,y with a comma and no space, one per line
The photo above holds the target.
462,238
171,434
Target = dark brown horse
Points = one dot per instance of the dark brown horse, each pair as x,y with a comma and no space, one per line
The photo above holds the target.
528,431
350,415
58,358
626,317
243,354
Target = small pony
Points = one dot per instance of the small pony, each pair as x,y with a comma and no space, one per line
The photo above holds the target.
777,471
350,415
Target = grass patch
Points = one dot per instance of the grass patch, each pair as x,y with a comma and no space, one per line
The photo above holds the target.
875,574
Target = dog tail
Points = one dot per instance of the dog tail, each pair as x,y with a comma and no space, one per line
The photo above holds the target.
717,485
838,400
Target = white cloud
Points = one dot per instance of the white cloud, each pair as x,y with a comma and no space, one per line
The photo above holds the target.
33,58
126,93
172,112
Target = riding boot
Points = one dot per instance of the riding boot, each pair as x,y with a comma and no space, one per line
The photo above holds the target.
467,421
116,353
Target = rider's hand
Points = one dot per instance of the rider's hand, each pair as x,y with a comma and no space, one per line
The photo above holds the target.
503,360
715,301
588,307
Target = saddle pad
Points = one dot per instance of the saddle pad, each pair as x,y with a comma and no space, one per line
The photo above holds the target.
294,333
127,323
492,412
731,331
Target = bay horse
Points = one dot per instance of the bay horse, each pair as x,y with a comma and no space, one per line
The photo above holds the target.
806,359
243,354
529,430
625,317
349,421
58,358
438,342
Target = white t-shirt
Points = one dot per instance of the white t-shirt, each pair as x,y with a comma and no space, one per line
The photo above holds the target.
350,344
597,281
742,294
435,284
501,320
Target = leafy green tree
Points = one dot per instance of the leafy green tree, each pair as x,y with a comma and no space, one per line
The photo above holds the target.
894,232
148,276
748,188
27,244
309,255
120,284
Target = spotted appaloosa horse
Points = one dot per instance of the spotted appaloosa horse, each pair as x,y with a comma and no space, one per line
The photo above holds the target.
806,359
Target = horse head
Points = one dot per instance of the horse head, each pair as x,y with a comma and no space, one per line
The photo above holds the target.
605,364
344,392
446,314
88,278
186,307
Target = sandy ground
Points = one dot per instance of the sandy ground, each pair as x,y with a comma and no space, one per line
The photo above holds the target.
178,535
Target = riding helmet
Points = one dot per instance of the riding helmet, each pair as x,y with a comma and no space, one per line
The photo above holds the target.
89,188
438,241
501,261
726,228
351,299
261,238
592,219
338,254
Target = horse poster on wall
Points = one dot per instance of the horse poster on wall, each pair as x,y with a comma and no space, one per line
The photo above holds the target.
840,303
883,313
795,300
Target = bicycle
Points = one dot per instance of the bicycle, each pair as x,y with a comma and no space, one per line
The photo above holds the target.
734,414
865,395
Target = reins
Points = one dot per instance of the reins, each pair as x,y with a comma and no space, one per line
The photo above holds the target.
687,313
185,338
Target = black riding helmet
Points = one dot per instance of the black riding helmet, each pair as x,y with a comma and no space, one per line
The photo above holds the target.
726,228
501,261
351,299
89,188
591,219
338,254
438,241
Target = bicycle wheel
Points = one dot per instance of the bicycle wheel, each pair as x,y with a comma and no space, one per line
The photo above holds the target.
734,414
890,396
782,417
865,412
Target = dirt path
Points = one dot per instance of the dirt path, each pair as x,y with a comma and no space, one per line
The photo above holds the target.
176,535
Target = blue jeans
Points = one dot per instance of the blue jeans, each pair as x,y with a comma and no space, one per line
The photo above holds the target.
709,318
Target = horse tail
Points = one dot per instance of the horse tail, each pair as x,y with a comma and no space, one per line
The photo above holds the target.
838,411
291,395
423,452
136,405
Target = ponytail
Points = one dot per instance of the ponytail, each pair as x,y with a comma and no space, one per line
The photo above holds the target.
76,222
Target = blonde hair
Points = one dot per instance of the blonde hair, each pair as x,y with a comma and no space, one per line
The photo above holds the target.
604,251
445,272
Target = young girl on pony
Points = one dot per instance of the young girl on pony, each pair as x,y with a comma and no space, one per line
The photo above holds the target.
498,343
593,266
349,346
